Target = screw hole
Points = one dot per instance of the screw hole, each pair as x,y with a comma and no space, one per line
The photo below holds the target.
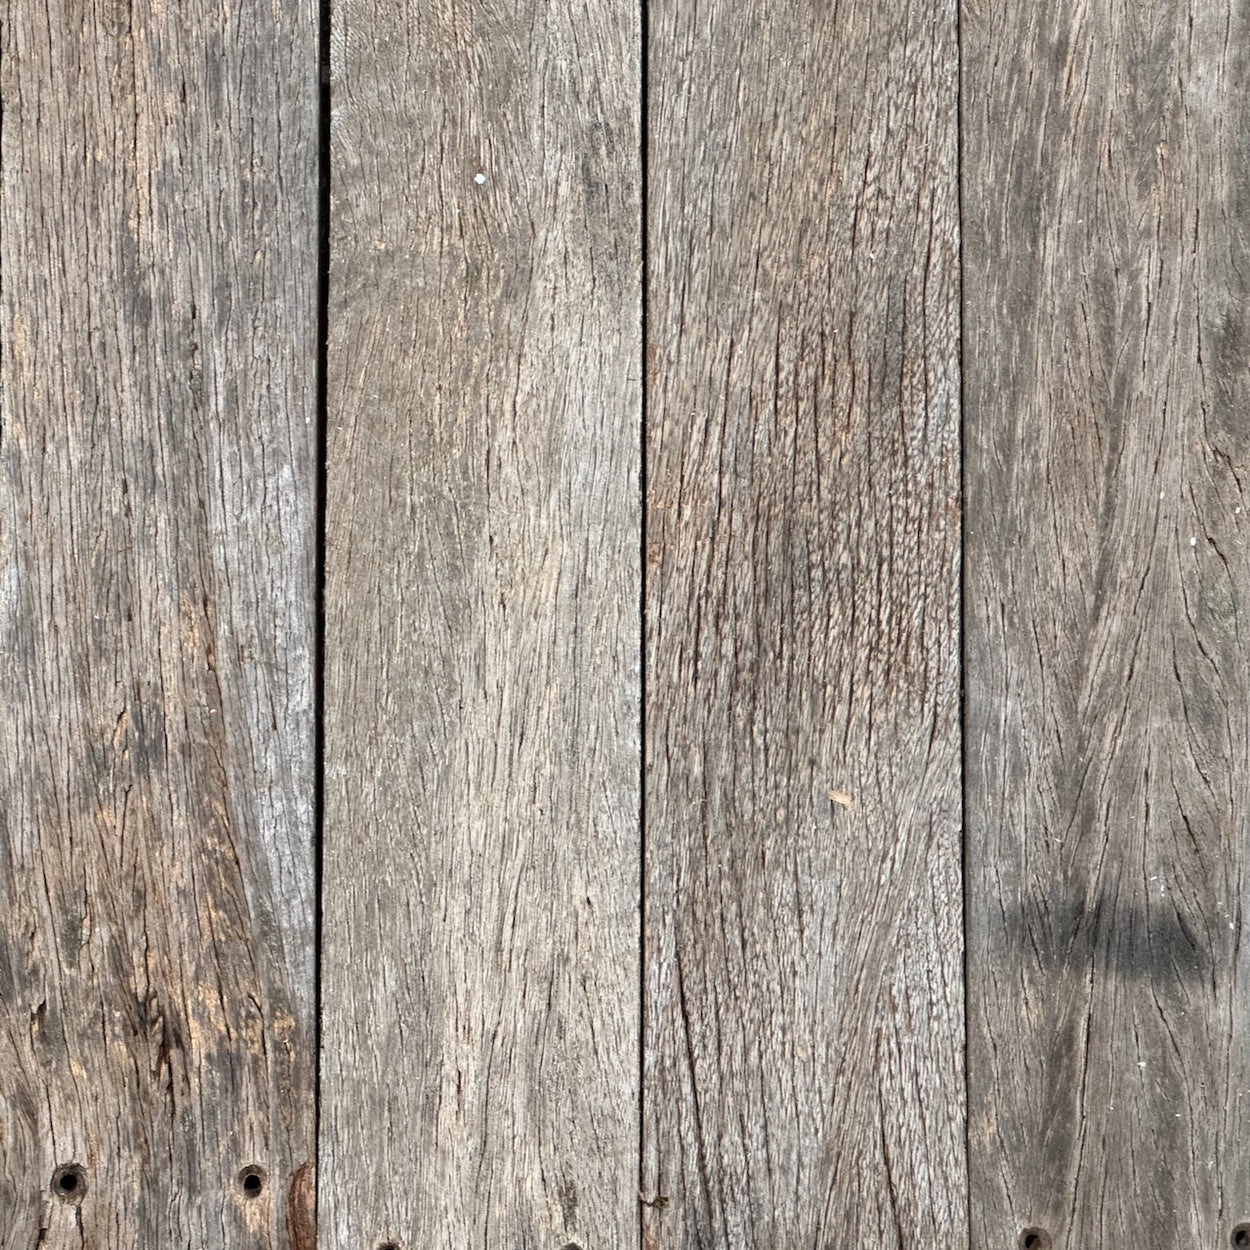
388,1245
1035,1239
1241,1235
69,1183
251,1181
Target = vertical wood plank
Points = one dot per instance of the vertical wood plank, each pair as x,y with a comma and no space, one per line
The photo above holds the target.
483,653
804,996
157,518
1107,210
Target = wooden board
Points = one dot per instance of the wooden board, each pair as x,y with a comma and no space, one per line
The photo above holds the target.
1108,733
481,980
157,418
804,992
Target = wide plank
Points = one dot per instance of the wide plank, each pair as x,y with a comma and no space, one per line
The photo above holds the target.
483,653
157,533
1108,682
804,987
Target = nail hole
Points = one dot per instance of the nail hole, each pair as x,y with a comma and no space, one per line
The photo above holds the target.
1241,1235
1035,1239
252,1181
69,1182
388,1245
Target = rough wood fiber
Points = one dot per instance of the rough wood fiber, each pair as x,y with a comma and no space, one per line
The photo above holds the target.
483,651
156,533
1107,201
804,999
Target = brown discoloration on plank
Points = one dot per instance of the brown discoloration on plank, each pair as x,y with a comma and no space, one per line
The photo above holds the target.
804,1082
301,1209
1107,287
482,682
156,534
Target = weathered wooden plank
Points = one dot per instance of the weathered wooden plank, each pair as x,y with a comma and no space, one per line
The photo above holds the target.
804,1001
483,652
156,537
1107,289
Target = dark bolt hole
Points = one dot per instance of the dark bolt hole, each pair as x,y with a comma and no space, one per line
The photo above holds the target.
1035,1239
389,1245
252,1181
70,1182
1241,1235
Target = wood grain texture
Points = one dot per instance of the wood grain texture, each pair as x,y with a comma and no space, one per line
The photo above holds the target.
1107,207
804,999
482,630
156,535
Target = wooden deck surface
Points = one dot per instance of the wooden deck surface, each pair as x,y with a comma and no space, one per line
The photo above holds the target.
624,625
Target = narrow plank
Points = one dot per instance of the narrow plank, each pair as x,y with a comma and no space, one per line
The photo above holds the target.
804,996
156,535
483,560
1108,279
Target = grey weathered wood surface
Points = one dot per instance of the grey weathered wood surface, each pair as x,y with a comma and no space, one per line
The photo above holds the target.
481,980
1108,731
804,998
157,407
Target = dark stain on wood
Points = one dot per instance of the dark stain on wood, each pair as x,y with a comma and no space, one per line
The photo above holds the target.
567,1193
301,1208
1144,940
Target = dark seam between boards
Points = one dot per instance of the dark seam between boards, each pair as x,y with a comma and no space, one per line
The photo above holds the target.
644,290
319,553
